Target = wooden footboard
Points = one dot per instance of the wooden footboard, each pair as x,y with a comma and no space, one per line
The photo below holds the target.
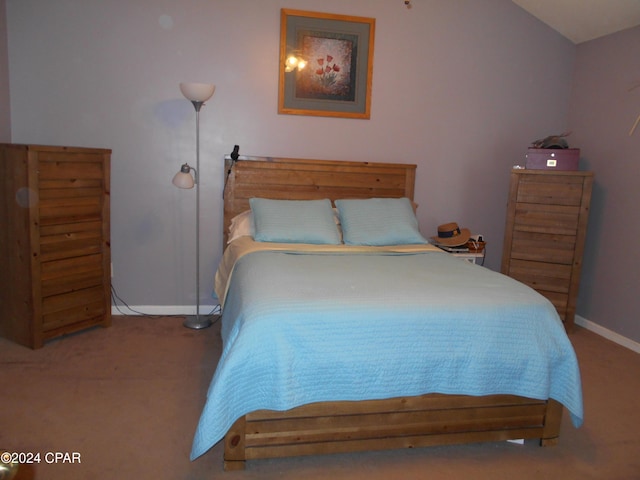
406,422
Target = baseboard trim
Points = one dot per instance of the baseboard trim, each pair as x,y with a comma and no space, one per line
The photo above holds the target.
162,310
608,334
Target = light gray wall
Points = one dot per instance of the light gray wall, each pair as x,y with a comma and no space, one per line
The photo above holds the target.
5,115
604,107
460,87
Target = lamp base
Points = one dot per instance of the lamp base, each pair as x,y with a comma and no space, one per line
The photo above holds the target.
198,322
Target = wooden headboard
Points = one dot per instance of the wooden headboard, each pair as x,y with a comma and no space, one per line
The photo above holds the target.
303,179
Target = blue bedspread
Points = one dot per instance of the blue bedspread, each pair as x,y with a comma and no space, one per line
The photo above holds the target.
302,328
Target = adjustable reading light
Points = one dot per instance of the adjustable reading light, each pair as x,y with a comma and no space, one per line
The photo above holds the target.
197,93
183,178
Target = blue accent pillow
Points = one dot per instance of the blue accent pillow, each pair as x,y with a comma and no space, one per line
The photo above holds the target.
294,221
379,221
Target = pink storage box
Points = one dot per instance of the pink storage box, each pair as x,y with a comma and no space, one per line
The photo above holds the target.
552,158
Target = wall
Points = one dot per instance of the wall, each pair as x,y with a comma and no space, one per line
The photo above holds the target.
604,107
459,87
5,115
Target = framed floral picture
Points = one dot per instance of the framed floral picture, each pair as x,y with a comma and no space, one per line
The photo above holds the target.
326,64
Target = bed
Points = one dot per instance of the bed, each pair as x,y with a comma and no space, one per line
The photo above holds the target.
351,344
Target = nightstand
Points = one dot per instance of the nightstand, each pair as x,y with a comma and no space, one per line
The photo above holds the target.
471,257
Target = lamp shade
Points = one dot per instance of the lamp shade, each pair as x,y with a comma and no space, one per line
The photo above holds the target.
183,179
197,92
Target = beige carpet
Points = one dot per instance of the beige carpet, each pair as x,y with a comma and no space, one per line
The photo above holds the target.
127,400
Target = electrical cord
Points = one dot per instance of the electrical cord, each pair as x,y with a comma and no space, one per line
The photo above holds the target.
116,298
234,158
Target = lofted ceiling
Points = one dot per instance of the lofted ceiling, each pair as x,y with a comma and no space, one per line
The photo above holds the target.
583,20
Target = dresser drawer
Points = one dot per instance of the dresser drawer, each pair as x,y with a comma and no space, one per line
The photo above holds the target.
550,190
551,277
57,211
71,274
70,168
74,307
553,219
559,300
543,247
70,240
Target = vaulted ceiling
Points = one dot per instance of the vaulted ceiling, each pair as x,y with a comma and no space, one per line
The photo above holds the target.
583,20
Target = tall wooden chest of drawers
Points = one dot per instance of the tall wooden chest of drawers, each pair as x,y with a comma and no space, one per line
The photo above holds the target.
54,243
546,226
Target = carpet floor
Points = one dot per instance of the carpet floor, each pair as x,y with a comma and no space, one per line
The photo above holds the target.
123,402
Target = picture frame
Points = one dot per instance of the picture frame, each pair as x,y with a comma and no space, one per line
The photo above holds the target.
326,64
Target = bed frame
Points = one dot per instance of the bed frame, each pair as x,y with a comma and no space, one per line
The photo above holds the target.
334,427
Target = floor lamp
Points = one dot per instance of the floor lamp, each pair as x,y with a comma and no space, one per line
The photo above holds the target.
197,93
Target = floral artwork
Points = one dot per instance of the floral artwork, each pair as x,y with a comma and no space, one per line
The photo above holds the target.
329,70
326,64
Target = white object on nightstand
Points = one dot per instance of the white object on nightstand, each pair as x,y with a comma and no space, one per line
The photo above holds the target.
471,257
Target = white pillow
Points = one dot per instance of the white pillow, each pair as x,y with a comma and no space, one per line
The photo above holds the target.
241,226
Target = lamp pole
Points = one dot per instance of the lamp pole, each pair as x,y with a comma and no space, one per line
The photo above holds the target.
205,322
197,93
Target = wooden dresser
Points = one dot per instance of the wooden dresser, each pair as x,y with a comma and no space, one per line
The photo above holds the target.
545,232
54,242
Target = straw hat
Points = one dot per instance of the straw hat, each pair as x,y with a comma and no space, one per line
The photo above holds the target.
451,235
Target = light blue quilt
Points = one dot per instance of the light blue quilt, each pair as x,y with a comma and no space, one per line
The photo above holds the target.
302,328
